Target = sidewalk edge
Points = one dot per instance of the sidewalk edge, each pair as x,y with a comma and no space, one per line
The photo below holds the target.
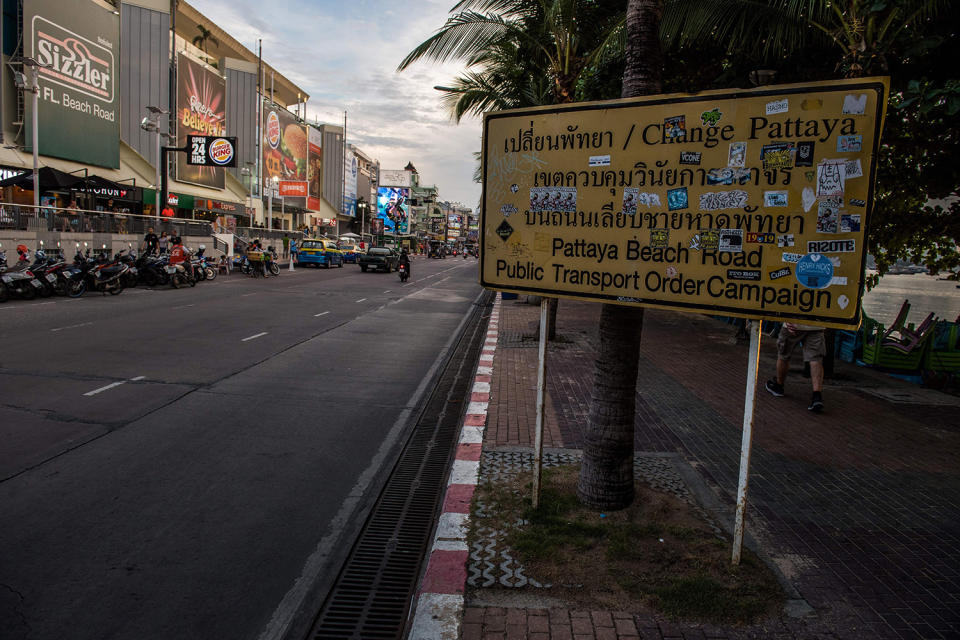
440,597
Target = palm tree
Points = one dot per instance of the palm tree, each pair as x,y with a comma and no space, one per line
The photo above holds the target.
606,475
863,31
205,36
522,53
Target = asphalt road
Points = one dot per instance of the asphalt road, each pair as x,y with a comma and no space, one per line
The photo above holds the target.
184,463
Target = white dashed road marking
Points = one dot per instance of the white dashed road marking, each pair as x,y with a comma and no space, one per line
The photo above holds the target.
255,336
72,326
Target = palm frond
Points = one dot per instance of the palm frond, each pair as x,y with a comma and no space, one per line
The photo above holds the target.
462,38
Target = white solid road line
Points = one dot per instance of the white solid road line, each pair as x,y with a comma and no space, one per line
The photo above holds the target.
361,299
114,384
109,386
253,337
317,315
72,326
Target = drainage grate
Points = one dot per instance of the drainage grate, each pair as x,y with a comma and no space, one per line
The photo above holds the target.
372,595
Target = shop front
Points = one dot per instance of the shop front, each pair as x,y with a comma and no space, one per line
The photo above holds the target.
225,215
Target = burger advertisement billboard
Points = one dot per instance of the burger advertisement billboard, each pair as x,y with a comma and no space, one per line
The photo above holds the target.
201,111
77,42
314,168
285,153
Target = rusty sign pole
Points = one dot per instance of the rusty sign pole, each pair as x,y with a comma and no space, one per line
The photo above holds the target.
749,404
541,387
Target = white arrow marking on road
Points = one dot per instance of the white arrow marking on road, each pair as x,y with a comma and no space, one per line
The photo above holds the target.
253,337
317,315
72,326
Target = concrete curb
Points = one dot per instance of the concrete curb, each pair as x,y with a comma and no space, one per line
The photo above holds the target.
440,602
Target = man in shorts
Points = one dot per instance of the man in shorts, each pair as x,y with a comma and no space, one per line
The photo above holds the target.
814,348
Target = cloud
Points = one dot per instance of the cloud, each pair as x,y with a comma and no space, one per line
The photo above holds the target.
345,55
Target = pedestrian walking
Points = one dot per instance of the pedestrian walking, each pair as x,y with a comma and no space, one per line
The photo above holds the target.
294,251
814,349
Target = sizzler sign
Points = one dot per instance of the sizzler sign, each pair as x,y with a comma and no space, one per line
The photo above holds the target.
72,61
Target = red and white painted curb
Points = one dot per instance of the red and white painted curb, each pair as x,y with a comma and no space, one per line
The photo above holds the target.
440,597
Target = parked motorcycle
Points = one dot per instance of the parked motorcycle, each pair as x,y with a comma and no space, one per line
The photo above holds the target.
179,275
102,274
18,280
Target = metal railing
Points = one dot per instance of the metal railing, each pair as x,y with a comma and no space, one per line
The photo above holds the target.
24,217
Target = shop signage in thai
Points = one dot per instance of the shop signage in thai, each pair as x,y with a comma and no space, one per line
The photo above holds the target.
750,203
201,111
77,42
211,151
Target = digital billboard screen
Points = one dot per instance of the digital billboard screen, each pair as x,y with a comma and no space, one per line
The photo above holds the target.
392,208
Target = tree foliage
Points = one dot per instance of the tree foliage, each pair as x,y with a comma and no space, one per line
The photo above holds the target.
915,215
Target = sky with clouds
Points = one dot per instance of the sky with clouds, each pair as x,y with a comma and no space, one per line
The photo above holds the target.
345,53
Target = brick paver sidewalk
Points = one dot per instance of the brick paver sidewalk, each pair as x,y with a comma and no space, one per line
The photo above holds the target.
858,508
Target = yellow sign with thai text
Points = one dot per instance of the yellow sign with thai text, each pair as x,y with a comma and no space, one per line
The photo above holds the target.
751,202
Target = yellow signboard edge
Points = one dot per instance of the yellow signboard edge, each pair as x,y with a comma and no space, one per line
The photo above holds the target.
880,84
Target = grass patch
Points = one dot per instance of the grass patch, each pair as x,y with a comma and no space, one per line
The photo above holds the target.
658,555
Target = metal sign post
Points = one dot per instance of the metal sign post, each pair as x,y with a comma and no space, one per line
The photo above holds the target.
749,404
541,390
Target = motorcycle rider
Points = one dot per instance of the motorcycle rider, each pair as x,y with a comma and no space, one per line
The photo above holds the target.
405,262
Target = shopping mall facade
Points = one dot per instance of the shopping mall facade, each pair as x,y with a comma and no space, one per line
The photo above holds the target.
111,87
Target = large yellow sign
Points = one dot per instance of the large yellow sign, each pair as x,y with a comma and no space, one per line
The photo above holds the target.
748,202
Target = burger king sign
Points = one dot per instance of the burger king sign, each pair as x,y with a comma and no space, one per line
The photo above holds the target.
211,151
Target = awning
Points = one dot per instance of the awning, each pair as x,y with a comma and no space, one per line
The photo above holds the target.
50,180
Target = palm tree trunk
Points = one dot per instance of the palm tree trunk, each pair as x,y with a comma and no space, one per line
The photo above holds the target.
606,476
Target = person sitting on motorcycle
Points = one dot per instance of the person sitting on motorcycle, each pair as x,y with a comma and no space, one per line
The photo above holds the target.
404,261
180,255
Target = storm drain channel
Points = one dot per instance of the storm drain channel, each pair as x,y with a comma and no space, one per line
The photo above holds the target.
372,595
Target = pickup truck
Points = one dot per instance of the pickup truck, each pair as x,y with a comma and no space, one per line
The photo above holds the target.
378,258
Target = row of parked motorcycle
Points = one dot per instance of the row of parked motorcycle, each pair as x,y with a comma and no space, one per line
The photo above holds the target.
47,275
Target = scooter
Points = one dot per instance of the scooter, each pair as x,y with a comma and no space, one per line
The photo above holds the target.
404,272
18,280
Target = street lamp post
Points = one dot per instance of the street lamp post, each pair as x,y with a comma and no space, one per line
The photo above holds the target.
152,124
276,181
34,88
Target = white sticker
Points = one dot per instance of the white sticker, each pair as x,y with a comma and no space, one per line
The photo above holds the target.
599,161
855,105
778,106
852,169
840,280
792,257
785,240
731,240
830,177
831,246
775,198
808,197
843,301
